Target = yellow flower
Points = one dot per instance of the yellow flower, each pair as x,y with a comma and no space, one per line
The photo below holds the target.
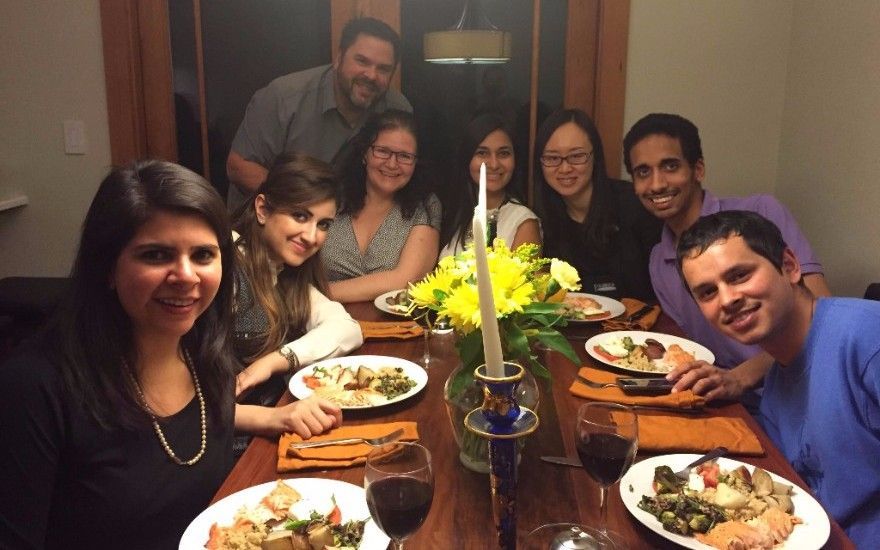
564,274
462,307
424,293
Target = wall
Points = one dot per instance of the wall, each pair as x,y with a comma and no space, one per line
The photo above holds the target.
721,64
51,70
829,158
785,94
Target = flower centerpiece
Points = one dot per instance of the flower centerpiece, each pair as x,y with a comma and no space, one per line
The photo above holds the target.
526,295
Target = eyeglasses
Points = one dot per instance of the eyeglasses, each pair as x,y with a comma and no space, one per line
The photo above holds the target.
385,153
571,158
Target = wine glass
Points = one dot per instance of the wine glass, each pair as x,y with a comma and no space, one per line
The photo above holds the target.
427,319
567,536
399,480
606,436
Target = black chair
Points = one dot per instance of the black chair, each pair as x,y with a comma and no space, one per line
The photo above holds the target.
26,303
873,292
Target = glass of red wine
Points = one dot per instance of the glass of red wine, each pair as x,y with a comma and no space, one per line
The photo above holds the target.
399,480
606,436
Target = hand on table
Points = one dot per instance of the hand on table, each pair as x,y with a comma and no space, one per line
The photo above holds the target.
707,380
307,417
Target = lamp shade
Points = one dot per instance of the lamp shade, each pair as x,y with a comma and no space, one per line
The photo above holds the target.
467,46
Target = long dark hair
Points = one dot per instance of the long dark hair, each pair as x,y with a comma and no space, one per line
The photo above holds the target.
597,230
92,332
353,172
294,181
460,195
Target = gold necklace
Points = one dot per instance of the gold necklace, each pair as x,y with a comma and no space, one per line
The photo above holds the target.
168,450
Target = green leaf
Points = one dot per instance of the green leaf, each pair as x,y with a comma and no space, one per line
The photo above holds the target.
540,307
557,342
470,351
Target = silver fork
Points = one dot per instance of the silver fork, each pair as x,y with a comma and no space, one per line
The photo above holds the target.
596,385
374,441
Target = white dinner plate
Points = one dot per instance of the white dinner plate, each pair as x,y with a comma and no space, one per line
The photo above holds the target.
381,303
316,495
299,389
639,336
810,535
612,306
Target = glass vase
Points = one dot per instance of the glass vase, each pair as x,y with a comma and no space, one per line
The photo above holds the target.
463,398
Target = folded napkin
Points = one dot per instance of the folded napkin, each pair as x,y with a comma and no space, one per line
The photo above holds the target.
680,400
390,329
644,322
337,456
659,433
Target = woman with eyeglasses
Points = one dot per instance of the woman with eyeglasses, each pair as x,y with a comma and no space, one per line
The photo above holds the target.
283,320
591,221
487,139
386,233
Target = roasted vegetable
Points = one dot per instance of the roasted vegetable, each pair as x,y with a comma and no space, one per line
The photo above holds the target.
665,480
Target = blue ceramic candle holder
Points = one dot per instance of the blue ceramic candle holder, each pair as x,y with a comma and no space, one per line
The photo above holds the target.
501,420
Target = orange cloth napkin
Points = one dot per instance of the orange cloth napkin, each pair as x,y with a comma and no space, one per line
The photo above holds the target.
337,456
661,433
390,329
680,400
642,323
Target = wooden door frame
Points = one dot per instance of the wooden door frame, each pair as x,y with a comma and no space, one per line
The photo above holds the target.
140,97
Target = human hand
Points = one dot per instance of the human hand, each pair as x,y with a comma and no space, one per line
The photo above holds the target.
707,380
258,372
308,417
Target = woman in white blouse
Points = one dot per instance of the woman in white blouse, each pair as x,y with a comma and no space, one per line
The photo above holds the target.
283,320
487,139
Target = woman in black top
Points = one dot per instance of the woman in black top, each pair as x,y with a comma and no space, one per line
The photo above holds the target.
594,223
116,425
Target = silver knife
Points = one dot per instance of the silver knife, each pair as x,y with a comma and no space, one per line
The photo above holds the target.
639,314
563,460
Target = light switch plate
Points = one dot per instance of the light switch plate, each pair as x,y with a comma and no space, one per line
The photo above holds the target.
75,141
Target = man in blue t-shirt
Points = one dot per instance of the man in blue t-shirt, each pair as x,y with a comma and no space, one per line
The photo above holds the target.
821,402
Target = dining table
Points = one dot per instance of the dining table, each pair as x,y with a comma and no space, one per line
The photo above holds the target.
461,515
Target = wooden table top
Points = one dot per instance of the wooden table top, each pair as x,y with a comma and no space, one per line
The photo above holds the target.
461,514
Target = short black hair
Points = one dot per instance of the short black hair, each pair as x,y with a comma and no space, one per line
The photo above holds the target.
760,234
371,27
674,126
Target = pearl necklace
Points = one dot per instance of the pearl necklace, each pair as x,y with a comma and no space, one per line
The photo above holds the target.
168,450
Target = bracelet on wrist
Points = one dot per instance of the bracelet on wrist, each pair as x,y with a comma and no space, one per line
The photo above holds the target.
292,359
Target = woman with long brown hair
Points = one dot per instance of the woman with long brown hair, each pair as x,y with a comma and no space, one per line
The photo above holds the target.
283,319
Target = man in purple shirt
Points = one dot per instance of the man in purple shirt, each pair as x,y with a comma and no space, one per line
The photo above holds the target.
662,153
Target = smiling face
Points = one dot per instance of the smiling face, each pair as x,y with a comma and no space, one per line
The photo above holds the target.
363,71
668,186
496,150
386,176
293,236
569,180
168,274
740,292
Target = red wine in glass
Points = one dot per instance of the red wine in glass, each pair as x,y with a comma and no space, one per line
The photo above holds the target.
399,504
606,457
399,481
606,436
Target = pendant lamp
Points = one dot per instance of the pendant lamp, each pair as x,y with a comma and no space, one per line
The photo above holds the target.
473,40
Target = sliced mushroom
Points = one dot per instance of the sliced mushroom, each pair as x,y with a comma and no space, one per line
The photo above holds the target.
654,349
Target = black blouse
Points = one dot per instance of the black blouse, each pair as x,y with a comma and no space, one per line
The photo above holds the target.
622,270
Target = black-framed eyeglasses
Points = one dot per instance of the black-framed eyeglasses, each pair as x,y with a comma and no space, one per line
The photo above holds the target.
571,158
385,153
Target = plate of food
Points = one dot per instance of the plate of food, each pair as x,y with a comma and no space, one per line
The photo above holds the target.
578,307
310,512
395,302
360,381
723,502
645,352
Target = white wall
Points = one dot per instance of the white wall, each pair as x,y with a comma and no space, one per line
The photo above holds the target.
829,162
787,98
721,64
51,70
